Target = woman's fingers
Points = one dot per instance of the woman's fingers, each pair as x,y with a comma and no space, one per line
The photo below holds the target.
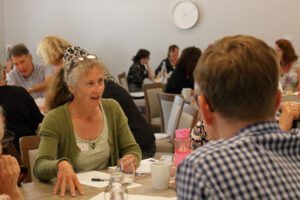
72,187
63,187
78,186
56,186
66,180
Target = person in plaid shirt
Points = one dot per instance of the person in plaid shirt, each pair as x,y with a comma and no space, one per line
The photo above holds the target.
249,157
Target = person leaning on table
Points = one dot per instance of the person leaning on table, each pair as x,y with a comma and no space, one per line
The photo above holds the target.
9,171
82,131
249,156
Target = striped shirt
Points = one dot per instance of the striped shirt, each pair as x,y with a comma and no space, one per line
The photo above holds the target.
260,162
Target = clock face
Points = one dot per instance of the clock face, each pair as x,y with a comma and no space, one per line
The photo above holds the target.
185,14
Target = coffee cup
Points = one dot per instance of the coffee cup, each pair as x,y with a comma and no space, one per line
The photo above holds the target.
186,92
160,175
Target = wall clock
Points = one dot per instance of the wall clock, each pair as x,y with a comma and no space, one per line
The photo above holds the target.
185,14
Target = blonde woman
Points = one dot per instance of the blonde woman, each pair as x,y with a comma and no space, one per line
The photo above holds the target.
51,50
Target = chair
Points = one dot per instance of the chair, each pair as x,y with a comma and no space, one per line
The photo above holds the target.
123,81
152,103
28,148
164,141
188,117
166,101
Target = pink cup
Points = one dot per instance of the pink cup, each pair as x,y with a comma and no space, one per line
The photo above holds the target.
182,148
183,133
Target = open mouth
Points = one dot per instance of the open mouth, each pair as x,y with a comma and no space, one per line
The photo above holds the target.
95,97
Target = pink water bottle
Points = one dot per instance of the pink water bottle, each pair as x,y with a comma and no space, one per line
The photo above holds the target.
182,145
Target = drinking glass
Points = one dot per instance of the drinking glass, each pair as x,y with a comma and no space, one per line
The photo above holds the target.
126,168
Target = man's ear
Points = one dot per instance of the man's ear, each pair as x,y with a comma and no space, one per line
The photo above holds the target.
205,109
278,99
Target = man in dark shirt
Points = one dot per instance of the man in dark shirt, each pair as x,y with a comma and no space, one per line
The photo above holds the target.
141,131
22,116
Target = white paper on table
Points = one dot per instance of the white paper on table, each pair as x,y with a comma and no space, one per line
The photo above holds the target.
86,179
135,197
144,166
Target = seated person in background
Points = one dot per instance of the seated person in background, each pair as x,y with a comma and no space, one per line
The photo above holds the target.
171,60
51,50
9,172
56,51
82,131
8,65
182,76
34,78
249,157
140,129
290,113
22,116
139,71
290,72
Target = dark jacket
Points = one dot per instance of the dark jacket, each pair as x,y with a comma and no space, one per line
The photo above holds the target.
136,75
140,129
178,81
22,114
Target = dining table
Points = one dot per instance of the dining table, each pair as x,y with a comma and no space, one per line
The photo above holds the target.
43,190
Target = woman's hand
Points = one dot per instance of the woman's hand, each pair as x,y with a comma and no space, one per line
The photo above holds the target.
290,112
9,174
127,162
66,178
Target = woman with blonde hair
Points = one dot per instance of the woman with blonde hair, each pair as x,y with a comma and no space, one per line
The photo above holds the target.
51,49
82,131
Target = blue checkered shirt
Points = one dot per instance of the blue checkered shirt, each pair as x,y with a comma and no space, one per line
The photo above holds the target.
260,162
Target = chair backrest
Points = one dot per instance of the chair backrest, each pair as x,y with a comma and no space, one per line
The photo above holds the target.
166,101
123,81
188,117
29,146
174,116
151,100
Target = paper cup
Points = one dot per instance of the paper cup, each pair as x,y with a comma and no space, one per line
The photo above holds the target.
160,175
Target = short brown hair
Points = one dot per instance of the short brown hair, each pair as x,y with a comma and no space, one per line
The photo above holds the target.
18,50
238,76
288,52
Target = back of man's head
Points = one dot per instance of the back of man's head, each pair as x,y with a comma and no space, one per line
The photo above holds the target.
238,76
18,50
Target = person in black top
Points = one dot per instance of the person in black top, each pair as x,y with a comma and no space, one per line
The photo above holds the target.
182,76
22,116
140,129
170,61
139,71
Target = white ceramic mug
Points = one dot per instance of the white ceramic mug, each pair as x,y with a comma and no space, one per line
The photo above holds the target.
160,175
186,92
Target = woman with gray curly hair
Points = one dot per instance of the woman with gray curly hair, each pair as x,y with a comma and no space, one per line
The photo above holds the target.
82,131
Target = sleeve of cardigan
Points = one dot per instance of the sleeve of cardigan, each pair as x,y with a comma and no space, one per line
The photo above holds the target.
126,141
45,166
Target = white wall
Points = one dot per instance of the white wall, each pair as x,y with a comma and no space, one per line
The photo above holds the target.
2,44
116,29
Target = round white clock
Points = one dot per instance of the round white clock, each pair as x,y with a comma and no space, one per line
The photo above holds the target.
185,14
